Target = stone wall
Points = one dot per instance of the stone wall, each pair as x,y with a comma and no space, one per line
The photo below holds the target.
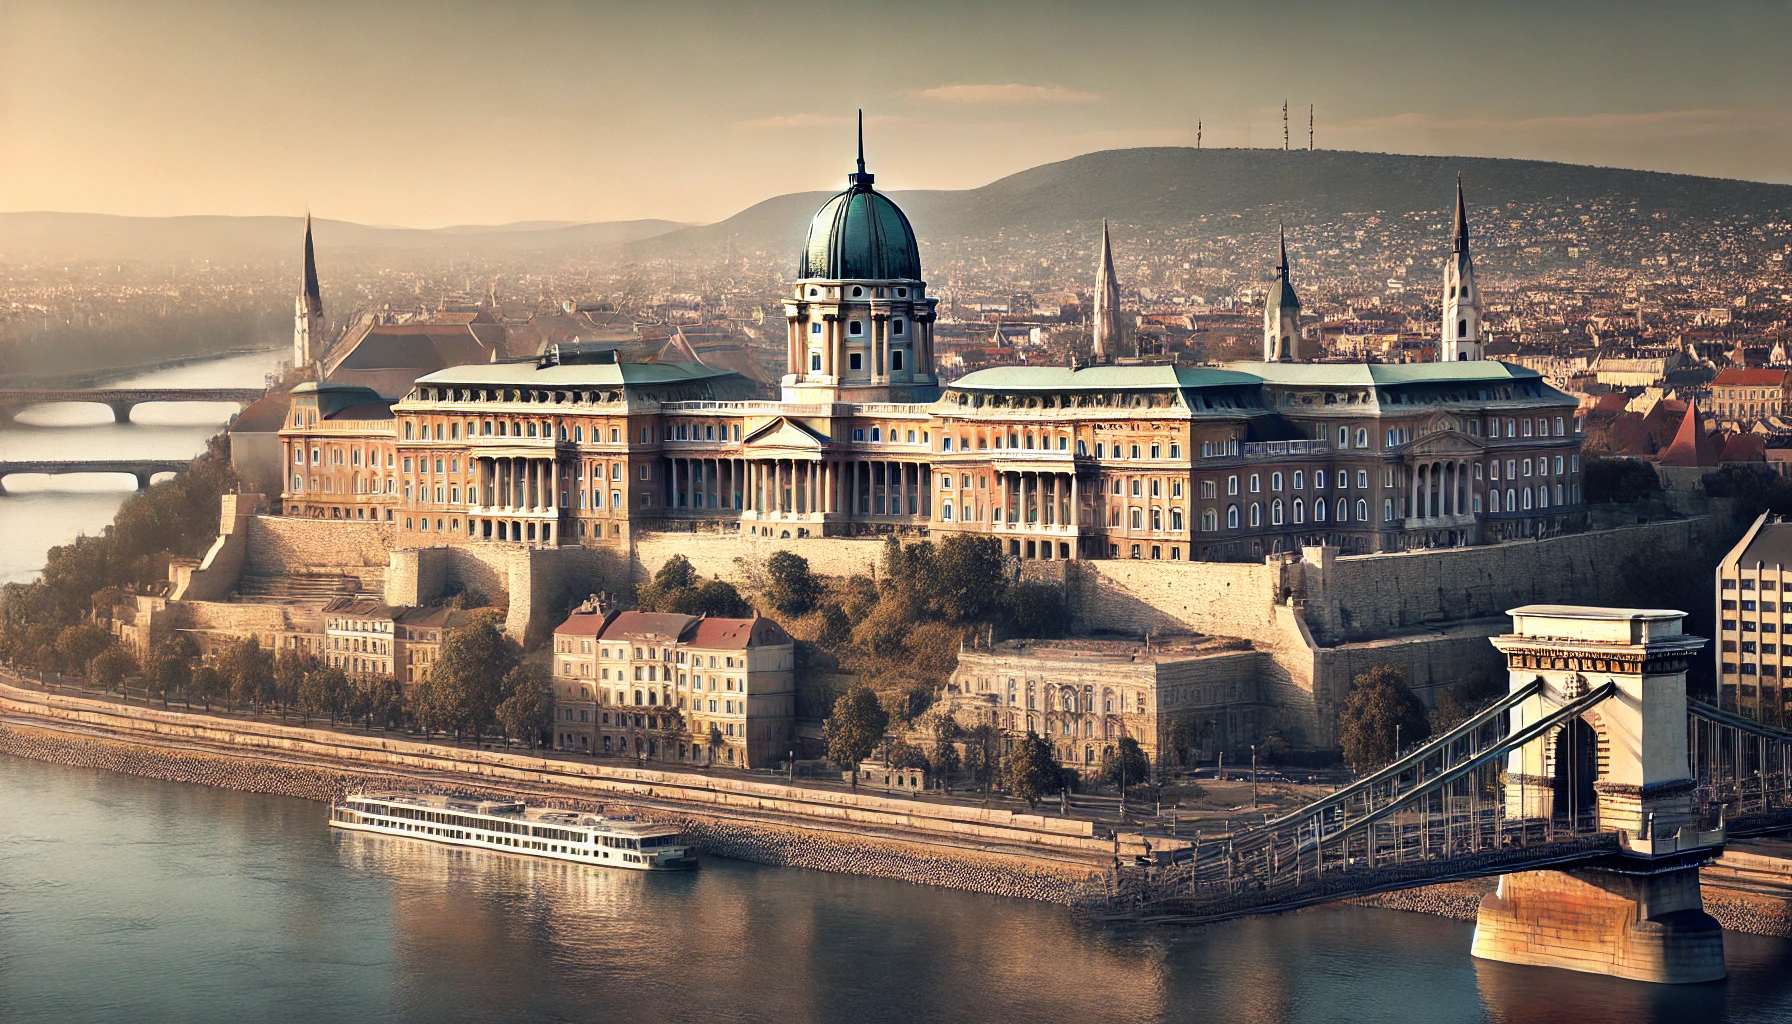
1370,596
282,544
215,577
733,556
1217,598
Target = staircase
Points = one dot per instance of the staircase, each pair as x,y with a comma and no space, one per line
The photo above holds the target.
303,590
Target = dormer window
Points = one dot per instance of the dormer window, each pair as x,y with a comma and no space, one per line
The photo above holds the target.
857,291
902,293
814,293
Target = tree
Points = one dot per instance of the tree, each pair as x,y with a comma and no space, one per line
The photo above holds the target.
717,599
110,667
1032,770
675,577
1378,702
855,728
79,644
969,578
945,759
169,668
291,666
1623,481
903,754
835,629
249,670
467,683
209,685
982,753
1128,765
793,589
323,691
524,710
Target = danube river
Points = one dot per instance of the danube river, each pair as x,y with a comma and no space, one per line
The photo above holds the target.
126,899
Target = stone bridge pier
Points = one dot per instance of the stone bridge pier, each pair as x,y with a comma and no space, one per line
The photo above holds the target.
1623,765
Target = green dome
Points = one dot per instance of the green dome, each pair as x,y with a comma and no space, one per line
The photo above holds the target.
860,235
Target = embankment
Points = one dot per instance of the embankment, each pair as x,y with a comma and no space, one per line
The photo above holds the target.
952,845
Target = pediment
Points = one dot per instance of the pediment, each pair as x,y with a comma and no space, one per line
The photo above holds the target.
784,434
1447,442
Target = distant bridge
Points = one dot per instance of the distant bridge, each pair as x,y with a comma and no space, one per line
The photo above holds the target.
143,469
120,400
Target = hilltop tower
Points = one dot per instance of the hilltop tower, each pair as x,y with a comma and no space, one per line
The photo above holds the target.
860,322
1461,338
1281,315
1106,322
307,310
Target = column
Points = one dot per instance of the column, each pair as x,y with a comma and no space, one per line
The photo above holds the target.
1076,509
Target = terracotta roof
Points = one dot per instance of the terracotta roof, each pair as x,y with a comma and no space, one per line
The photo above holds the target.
582,624
1751,378
1691,447
629,625
738,634
1744,448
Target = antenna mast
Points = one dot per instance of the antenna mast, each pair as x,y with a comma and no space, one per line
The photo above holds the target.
1197,135
1284,126
1309,127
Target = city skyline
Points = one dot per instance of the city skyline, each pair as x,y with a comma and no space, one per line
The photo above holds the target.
432,115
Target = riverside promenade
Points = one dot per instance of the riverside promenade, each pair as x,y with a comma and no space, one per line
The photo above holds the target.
953,844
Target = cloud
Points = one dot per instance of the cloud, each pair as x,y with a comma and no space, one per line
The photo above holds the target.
1012,94
789,122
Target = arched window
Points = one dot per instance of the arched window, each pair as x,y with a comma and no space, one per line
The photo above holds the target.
1157,519
1362,438
1343,510
1176,519
1275,512
1300,510
1527,497
1231,517
946,511
1256,514
1319,507
1542,495
1462,328
1511,501
1362,510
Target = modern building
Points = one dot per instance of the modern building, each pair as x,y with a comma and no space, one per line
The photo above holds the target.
1752,616
667,687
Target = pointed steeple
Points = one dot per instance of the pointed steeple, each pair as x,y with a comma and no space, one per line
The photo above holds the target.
1461,232
861,178
1281,312
1691,446
1282,267
1107,302
308,289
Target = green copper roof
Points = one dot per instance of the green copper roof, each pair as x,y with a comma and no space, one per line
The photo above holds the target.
860,235
1104,378
1385,374
529,374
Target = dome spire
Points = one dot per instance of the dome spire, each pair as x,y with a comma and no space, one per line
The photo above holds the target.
861,178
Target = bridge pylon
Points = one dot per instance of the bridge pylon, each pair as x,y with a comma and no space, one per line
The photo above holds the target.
1622,765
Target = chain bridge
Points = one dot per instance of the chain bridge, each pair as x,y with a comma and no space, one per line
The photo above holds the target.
145,470
120,400
1594,788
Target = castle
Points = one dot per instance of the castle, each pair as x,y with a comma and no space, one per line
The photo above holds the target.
1122,459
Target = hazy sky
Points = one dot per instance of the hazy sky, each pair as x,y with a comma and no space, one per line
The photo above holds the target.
428,114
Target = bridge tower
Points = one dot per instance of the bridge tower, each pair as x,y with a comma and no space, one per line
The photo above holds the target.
1624,765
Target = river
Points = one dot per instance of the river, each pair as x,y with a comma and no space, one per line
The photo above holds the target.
38,511
128,899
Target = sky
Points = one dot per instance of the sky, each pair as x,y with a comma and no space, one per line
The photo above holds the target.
431,114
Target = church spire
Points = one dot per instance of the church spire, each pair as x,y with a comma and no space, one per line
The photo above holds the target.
1281,313
1107,302
1460,337
1282,267
1461,233
308,287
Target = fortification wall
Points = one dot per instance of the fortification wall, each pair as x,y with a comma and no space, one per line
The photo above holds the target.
1369,596
733,556
282,544
1218,598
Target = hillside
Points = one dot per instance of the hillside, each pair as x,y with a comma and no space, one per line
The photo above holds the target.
1170,188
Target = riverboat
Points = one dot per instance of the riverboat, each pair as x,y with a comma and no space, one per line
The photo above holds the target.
511,826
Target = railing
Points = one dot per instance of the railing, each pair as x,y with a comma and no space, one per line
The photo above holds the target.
1262,449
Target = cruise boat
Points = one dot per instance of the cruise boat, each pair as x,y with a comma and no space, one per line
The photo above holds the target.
514,827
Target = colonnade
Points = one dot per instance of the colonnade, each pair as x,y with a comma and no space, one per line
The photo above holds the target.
797,486
523,486
1441,489
1033,499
